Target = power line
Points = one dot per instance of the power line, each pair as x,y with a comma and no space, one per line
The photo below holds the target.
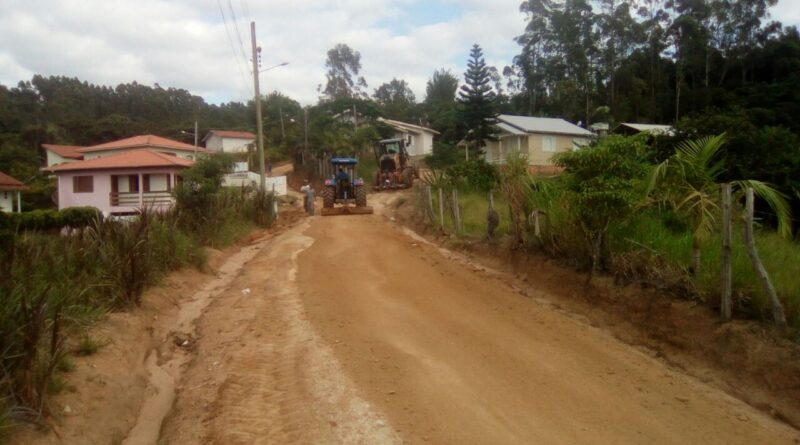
236,58
246,8
236,26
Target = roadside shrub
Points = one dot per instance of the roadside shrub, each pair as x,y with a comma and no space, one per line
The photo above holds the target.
49,220
604,184
473,174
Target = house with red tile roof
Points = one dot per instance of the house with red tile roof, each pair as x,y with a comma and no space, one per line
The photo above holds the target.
58,154
120,183
229,141
143,142
9,187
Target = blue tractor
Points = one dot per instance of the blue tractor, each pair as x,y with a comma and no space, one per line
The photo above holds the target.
344,189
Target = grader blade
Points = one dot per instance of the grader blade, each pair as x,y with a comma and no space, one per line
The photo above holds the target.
337,211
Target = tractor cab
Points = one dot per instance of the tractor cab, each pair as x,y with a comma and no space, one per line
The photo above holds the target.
344,178
394,168
344,188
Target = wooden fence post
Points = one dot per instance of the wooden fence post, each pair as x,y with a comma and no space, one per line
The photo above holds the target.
492,218
752,251
429,204
727,285
441,208
456,212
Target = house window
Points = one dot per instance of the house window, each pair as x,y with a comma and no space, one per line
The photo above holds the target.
549,143
82,184
125,184
156,183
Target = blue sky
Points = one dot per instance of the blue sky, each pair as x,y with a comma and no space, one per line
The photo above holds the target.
185,44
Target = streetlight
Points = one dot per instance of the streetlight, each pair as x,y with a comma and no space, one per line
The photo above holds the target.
273,67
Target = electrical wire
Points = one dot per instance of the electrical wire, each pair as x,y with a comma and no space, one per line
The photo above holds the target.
236,57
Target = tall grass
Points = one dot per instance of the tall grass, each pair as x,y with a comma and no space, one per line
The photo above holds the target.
654,244
657,233
52,285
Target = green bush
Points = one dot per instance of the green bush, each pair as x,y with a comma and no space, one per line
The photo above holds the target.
49,220
473,174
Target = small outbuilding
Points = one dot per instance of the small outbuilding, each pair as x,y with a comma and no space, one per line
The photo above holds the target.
229,141
9,189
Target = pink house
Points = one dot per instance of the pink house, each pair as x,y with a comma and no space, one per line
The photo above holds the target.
120,184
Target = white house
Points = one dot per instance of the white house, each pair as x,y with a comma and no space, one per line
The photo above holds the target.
9,189
229,141
419,139
538,137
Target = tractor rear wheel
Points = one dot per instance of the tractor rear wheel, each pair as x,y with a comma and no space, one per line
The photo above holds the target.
361,197
328,197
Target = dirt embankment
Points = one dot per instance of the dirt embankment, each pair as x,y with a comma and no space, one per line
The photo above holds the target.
745,358
120,393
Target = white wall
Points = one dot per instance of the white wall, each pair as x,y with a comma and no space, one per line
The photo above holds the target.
421,143
100,197
7,201
228,145
214,142
235,145
55,158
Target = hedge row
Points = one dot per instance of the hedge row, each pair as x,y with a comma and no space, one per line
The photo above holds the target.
75,217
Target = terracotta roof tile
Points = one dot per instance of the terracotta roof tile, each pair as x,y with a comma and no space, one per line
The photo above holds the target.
65,151
8,183
143,141
128,159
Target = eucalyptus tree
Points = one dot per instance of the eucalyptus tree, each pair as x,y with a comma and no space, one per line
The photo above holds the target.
343,77
396,100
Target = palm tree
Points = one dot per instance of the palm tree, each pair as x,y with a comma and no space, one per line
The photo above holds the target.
690,180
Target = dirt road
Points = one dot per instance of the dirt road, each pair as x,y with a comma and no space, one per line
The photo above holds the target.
347,330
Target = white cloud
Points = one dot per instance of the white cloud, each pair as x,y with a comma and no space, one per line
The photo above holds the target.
787,12
183,43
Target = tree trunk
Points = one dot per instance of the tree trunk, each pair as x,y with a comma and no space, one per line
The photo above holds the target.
597,242
677,92
766,283
725,302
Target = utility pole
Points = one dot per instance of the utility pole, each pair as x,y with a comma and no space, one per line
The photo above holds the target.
305,136
283,129
195,140
259,124
355,120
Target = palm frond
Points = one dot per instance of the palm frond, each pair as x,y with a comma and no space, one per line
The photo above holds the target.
777,201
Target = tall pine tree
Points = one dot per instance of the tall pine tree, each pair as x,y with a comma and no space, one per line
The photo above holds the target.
478,108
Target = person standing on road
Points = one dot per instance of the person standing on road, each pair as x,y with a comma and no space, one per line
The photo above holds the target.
308,197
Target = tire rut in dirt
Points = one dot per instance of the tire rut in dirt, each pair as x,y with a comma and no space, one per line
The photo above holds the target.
262,399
